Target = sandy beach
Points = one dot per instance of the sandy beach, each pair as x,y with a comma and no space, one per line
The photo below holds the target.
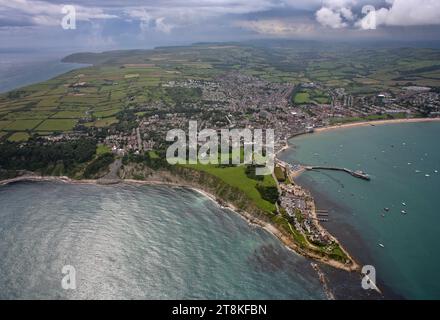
374,123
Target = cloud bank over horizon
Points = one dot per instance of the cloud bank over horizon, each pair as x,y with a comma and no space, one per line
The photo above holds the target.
136,23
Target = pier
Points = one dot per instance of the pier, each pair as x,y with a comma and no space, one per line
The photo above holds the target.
294,170
356,174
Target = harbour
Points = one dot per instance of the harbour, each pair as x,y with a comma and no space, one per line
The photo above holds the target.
394,215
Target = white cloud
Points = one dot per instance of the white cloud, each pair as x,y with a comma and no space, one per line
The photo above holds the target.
329,18
407,13
148,23
339,13
162,26
336,13
347,14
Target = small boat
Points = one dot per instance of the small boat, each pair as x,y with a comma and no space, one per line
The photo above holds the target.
427,175
381,245
386,209
404,204
418,171
436,171
403,212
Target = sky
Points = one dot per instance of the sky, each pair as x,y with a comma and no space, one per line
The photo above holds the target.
111,24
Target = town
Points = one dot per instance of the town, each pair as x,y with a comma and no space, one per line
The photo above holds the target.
239,101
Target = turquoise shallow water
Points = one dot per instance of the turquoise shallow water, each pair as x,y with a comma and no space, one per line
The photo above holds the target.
139,242
404,161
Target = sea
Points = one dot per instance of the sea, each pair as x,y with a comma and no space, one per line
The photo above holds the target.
19,68
139,242
393,221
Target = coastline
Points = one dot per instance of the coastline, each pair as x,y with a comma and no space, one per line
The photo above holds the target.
352,242
371,123
350,238
374,123
41,70
251,219
225,208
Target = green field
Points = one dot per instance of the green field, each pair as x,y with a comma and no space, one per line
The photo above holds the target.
130,79
308,96
102,122
98,92
21,125
56,125
106,113
19,136
302,98
4,123
69,115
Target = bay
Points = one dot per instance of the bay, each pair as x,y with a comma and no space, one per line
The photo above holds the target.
139,242
403,161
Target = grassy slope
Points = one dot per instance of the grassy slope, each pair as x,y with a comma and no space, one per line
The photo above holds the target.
236,177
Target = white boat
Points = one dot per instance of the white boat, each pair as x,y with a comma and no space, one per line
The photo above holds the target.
403,212
427,175
381,245
404,204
